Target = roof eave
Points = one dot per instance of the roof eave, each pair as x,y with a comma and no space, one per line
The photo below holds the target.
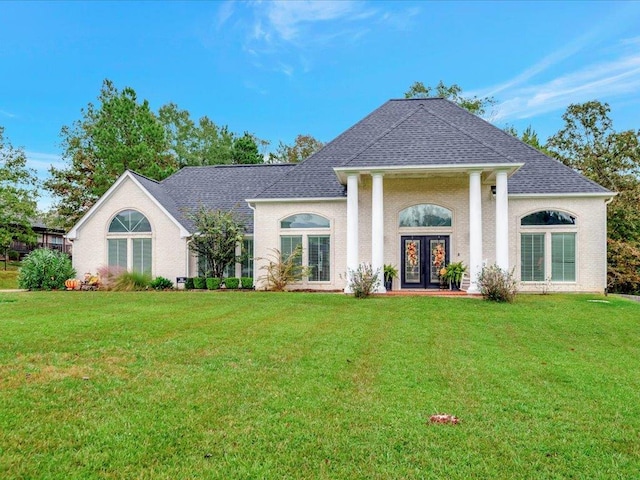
510,168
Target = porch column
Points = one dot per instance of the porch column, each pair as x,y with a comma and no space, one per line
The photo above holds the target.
377,229
475,229
352,227
502,221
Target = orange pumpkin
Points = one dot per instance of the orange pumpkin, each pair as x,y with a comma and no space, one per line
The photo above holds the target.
71,284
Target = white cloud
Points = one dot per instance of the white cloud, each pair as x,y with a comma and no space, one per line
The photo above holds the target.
4,113
601,80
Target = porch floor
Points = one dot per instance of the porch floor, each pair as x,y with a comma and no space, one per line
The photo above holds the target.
429,292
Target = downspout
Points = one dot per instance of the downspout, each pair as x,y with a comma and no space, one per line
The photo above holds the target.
252,207
188,258
606,250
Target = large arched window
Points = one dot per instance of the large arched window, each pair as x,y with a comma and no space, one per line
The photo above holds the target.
312,233
548,244
129,242
425,215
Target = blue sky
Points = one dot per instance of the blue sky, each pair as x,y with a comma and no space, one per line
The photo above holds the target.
278,69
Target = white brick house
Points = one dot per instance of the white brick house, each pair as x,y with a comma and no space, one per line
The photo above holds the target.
411,175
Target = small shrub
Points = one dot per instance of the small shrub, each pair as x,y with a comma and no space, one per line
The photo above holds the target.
131,282
107,276
13,255
45,269
213,283
161,283
246,282
199,283
188,284
232,283
282,271
363,281
497,284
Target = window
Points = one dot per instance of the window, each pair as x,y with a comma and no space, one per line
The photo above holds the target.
425,215
129,242
246,269
532,257
311,232
563,257
548,245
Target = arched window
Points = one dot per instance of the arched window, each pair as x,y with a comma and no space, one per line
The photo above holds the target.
425,215
129,221
129,242
305,220
548,217
552,249
316,245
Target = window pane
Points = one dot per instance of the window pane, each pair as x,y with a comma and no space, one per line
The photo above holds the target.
204,269
563,257
142,255
129,221
548,217
320,258
247,263
305,220
532,257
425,215
229,271
288,244
117,252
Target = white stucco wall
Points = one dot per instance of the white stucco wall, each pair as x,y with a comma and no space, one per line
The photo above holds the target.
169,251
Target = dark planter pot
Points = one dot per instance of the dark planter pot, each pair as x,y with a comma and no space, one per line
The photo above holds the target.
455,286
388,284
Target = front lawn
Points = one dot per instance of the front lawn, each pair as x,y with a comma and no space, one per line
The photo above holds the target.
165,385
9,277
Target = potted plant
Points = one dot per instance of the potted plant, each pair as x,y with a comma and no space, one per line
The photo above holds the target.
390,272
454,274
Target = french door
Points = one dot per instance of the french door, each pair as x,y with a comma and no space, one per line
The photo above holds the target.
418,254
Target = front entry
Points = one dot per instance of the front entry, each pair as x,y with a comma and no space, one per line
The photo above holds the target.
418,253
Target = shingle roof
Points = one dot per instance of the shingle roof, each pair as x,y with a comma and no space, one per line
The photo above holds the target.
425,132
223,187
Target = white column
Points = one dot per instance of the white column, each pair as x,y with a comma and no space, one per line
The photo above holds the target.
352,227
475,229
502,221
377,229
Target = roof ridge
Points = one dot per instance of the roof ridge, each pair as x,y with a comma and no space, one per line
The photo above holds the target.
145,177
468,134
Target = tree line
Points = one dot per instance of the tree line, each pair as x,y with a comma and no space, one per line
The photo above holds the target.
121,132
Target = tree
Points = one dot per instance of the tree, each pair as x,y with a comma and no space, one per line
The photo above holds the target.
120,133
452,92
529,136
205,143
303,147
218,235
589,144
17,196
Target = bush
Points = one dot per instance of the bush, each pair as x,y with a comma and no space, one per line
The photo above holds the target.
131,282
161,283
199,283
363,281
283,271
213,283
497,285
45,269
13,255
107,276
188,284
232,283
246,282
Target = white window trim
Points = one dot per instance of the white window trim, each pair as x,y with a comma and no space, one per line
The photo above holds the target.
548,230
305,233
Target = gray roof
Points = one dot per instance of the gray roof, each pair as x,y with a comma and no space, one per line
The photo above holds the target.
407,132
222,187
425,132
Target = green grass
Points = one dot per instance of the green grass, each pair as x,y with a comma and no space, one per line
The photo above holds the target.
9,277
254,385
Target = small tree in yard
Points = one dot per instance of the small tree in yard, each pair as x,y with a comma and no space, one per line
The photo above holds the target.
218,234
